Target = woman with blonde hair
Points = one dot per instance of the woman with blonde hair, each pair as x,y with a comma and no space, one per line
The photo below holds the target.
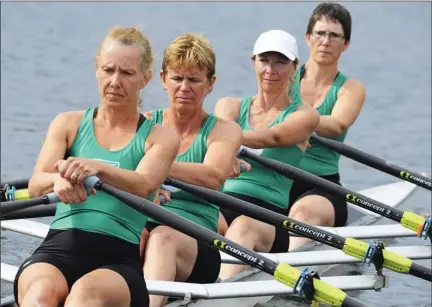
90,256
274,126
208,147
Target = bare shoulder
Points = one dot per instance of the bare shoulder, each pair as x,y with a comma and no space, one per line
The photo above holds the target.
227,108
353,87
227,130
228,103
164,135
70,116
309,109
66,121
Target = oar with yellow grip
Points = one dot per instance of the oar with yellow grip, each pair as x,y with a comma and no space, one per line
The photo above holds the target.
369,253
421,225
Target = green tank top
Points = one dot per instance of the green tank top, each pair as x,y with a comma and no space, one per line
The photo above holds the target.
260,182
318,159
103,213
183,203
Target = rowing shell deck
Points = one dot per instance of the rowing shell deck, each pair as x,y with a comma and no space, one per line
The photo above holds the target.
243,290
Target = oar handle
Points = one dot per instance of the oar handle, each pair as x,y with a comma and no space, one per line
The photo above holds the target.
16,205
243,167
162,199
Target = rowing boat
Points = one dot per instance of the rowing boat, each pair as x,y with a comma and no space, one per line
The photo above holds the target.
391,194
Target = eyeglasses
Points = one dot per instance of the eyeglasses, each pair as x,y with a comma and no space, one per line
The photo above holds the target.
320,35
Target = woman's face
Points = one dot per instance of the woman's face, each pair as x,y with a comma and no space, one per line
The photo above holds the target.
273,71
119,74
187,87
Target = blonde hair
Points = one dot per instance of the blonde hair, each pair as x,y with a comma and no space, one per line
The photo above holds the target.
131,37
135,38
190,50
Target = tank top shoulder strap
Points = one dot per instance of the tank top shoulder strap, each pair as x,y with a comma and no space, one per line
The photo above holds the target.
86,124
158,116
145,128
287,111
294,91
208,126
243,116
333,93
85,130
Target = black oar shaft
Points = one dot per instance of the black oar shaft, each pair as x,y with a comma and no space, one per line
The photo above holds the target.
192,229
282,272
18,184
12,206
29,213
350,302
258,213
375,162
421,272
326,186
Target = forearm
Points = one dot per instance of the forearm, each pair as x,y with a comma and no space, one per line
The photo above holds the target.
41,183
126,180
266,138
198,174
329,127
258,139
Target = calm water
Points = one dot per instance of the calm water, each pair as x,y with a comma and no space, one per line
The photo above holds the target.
47,66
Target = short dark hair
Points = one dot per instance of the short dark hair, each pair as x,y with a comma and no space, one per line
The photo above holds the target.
334,12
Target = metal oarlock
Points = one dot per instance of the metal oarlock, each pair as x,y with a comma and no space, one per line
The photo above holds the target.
304,285
7,193
10,193
3,193
425,230
375,255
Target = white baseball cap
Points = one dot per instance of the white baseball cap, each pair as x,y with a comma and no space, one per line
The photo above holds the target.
278,41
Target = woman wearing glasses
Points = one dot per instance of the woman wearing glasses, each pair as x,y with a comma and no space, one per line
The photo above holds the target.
339,100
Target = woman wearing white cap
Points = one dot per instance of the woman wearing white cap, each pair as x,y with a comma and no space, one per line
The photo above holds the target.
274,126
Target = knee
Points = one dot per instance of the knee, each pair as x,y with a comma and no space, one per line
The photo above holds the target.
300,211
42,292
161,238
242,226
313,209
84,292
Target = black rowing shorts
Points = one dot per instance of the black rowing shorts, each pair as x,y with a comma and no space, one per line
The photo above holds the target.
76,252
281,240
301,189
207,264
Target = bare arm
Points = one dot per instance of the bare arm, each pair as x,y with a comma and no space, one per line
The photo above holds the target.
223,144
59,137
295,129
161,149
228,108
346,110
